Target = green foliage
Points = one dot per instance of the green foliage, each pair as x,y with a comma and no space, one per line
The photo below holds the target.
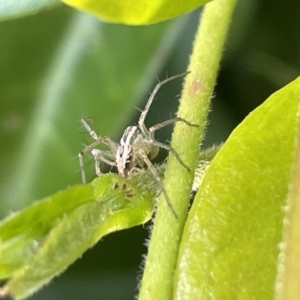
22,233
227,248
237,214
136,13
41,241
235,224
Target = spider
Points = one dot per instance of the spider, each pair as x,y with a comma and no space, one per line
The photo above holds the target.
136,149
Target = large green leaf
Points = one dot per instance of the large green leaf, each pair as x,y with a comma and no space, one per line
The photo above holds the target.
136,13
44,239
230,243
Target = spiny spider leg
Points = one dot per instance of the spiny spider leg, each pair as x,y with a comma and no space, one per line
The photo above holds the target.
80,158
88,128
104,156
144,113
98,140
172,150
164,146
159,181
168,122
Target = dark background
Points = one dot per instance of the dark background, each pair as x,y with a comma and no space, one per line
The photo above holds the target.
60,65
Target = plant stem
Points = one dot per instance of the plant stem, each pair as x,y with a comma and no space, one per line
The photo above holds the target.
157,282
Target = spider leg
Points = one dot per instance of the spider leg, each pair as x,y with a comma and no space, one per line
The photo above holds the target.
151,139
80,158
104,156
172,150
159,181
88,128
81,167
144,113
168,122
98,140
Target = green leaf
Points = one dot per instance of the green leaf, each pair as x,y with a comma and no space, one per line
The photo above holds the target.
136,13
64,226
21,233
230,243
16,9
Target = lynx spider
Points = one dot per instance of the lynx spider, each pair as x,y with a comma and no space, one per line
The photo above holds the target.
137,146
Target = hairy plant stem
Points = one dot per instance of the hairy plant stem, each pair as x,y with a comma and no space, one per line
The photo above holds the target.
157,282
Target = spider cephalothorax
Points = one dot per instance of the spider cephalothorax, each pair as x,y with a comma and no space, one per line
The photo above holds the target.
132,149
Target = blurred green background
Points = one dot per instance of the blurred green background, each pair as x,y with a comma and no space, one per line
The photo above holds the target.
60,65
